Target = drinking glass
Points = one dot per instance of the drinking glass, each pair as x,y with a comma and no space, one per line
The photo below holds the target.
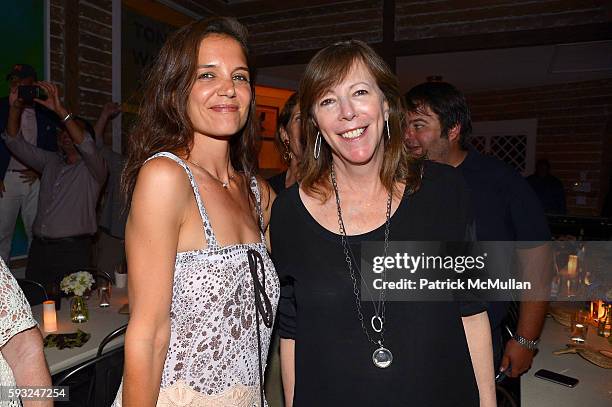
104,293
580,326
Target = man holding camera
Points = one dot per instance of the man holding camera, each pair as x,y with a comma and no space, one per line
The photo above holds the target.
19,185
71,180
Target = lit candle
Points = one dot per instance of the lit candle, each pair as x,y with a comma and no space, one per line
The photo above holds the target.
49,316
601,310
572,263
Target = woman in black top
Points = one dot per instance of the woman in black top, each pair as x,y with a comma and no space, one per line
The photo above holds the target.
359,184
289,142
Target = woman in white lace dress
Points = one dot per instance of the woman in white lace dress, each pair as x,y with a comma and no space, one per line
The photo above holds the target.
22,361
202,288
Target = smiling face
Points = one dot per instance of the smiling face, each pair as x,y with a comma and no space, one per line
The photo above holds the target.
351,117
424,134
218,105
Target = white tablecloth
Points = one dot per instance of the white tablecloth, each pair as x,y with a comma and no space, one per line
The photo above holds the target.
594,388
102,321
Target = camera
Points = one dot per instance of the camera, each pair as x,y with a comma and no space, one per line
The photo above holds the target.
28,93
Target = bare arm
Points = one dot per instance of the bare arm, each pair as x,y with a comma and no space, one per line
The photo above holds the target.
478,335
536,267
24,354
287,357
152,234
530,323
31,155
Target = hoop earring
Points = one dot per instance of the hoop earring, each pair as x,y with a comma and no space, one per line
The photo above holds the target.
317,147
388,132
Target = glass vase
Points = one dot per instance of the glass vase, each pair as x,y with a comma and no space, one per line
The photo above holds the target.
79,312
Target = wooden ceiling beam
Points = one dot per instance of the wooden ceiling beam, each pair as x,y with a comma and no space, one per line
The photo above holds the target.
216,7
251,8
527,38
548,36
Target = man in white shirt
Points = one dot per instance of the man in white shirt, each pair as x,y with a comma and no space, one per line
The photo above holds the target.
19,184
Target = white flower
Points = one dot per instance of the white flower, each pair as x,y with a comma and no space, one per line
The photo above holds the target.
77,283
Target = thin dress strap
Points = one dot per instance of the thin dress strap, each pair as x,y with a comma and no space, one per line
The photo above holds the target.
255,188
209,235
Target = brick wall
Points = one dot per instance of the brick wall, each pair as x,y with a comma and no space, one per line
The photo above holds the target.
574,131
56,43
314,26
86,24
450,18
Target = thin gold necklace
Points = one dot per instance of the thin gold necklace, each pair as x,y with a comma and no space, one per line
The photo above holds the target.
225,184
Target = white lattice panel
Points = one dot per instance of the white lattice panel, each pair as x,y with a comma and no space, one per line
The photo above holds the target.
512,141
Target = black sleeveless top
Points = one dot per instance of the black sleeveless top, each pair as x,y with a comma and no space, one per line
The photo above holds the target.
333,358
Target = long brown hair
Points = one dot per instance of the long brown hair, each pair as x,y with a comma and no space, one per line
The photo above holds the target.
326,69
163,123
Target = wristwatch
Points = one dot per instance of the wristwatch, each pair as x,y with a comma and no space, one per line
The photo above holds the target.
526,343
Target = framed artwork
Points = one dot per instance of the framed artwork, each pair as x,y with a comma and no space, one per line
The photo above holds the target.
267,117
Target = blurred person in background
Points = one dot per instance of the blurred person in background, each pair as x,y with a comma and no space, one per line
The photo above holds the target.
19,183
289,141
71,180
548,188
505,207
110,253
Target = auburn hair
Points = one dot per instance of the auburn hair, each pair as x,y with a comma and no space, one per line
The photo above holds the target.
326,69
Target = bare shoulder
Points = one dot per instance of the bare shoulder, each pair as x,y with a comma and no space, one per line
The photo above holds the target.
162,169
161,181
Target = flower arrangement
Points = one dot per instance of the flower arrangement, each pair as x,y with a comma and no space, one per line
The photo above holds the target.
77,283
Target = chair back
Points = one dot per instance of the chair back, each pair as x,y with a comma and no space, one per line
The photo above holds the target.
34,292
116,333
95,382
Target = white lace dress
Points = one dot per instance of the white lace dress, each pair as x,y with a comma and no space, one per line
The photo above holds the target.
15,317
212,358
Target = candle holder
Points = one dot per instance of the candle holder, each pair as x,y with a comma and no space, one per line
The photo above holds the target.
49,316
580,326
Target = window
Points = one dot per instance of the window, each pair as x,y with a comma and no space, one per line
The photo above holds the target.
512,141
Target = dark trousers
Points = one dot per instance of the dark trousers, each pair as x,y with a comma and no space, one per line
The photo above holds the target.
50,260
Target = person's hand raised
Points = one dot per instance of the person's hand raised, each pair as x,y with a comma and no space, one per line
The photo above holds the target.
111,110
14,100
53,101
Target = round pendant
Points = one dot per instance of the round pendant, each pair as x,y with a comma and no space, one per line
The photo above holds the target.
382,357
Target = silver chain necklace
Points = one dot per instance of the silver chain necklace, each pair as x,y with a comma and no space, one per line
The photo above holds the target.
224,184
382,357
